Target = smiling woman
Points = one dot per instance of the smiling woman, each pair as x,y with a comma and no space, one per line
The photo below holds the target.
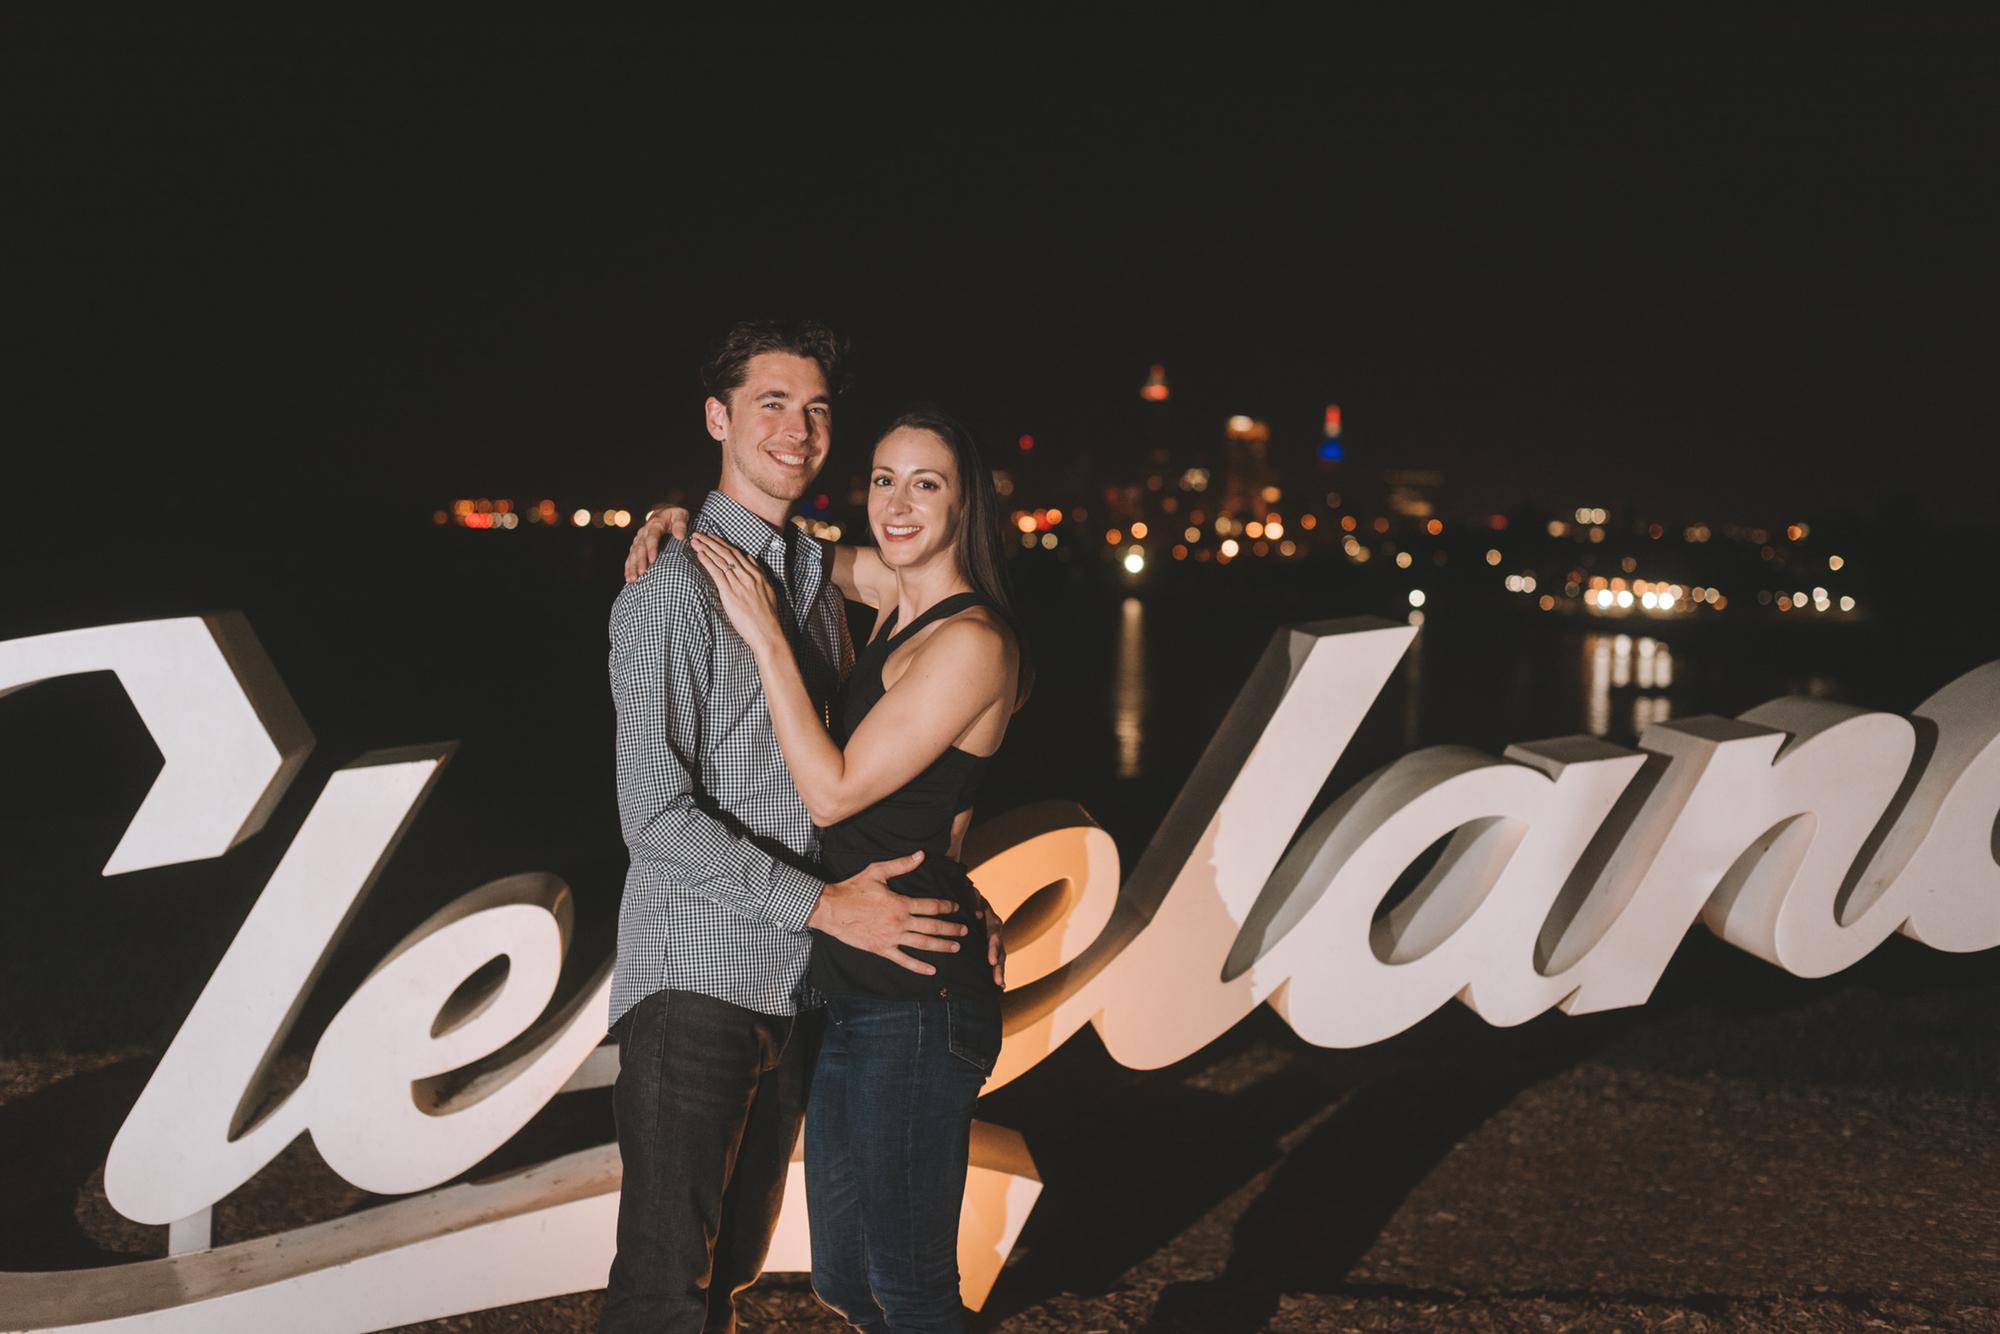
930,482
910,1042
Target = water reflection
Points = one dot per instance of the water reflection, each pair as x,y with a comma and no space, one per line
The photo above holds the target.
1619,662
1128,688
1597,688
1413,687
1656,665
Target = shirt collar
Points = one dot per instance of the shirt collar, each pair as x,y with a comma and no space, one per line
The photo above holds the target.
751,535
738,526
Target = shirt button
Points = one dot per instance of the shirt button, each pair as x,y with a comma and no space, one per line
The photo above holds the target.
944,993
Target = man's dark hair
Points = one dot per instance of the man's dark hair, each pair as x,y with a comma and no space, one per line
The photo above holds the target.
729,365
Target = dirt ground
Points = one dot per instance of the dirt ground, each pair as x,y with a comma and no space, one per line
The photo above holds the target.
1749,1152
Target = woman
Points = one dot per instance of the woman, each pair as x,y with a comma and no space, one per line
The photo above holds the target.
924,709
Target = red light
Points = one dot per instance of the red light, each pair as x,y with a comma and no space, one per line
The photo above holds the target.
1332,428
1027,444
1498,522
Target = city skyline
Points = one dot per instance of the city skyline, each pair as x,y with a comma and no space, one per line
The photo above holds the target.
1636,265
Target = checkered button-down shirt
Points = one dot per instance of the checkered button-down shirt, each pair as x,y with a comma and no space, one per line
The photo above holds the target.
722,876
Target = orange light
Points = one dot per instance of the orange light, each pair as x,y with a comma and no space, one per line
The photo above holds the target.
1112,537
1381,525
1025,522
1139,530
1347,523
1308,522
1434,527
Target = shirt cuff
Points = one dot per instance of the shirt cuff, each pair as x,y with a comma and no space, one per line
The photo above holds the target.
794,895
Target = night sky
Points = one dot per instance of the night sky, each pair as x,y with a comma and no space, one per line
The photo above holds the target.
1718,272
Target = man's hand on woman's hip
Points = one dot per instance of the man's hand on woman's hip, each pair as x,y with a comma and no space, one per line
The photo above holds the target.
864,912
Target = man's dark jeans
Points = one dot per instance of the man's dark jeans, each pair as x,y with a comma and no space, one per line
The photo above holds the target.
886,1144
708,1101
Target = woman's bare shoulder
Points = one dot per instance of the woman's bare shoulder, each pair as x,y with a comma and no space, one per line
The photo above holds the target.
977,629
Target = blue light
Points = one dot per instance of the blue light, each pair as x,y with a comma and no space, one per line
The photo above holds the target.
1330,451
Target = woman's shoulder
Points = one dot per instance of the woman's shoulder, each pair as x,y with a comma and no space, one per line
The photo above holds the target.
978,629
975,649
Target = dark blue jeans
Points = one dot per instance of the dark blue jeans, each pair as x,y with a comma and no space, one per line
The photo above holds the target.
887,1133
708,1102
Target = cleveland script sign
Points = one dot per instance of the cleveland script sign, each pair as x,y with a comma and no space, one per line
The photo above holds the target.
1804,832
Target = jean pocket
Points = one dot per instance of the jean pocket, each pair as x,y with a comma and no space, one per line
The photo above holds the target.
972,1031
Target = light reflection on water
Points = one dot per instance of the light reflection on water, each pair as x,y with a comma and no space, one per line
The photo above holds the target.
1619,662
1128,687
1413,688
1625,683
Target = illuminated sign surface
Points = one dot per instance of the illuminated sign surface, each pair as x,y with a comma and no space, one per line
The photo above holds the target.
1804,832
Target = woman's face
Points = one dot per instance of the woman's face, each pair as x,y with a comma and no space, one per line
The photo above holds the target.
913,497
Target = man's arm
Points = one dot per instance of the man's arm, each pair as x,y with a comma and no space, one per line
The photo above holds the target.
660,681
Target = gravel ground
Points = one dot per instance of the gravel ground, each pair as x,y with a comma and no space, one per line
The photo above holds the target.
1597,1200
1784,1157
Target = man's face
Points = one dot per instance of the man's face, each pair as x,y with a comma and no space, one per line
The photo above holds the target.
774,431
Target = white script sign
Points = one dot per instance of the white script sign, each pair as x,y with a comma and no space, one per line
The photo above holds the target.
1804,832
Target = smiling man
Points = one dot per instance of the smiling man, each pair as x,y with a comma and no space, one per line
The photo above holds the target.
716,1031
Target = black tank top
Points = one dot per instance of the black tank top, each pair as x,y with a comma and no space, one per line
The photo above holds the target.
917,815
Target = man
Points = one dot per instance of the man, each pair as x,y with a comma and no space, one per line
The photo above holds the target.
716,1039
